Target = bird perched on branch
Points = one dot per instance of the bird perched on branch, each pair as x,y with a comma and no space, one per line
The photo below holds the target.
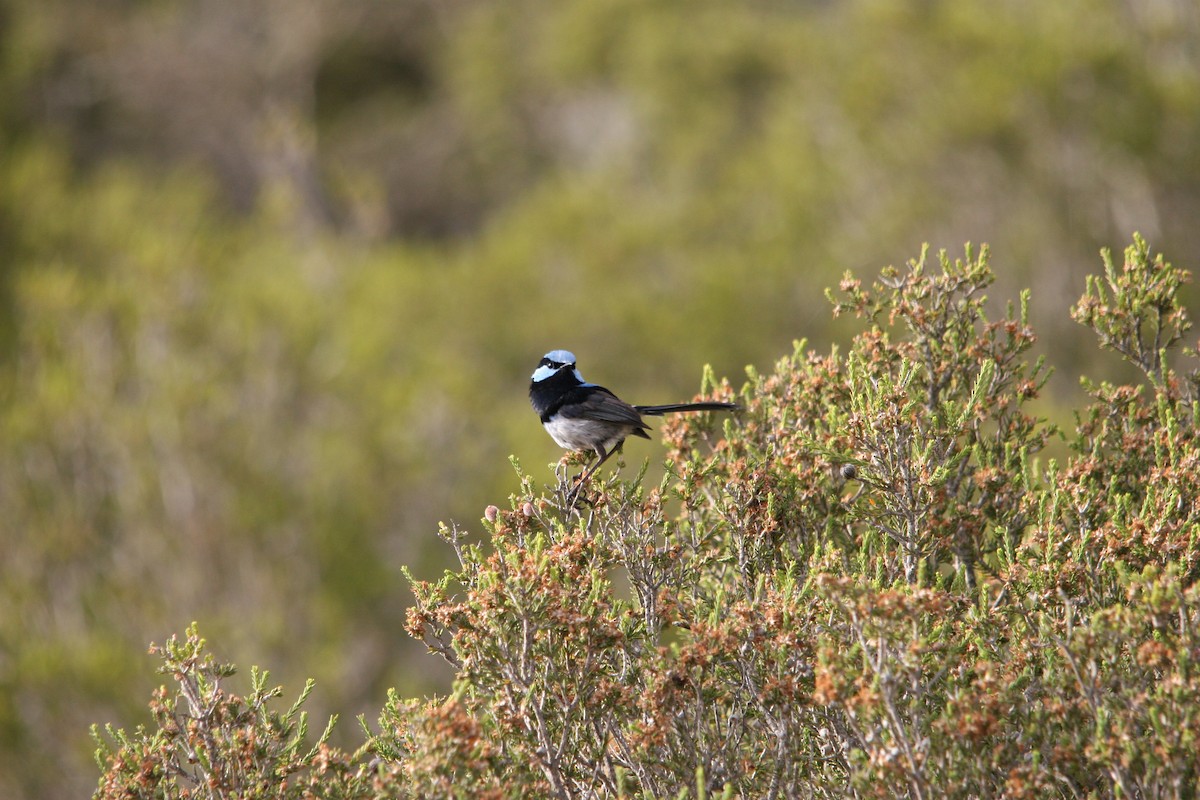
583,416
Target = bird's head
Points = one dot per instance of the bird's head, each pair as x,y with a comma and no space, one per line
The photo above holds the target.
555,362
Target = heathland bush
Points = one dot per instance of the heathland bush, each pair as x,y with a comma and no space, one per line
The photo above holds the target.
874,582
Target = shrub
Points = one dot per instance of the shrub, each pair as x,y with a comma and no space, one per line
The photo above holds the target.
209,742
869,585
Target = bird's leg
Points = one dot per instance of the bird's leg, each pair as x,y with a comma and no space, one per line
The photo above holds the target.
604,456
592,469
571,459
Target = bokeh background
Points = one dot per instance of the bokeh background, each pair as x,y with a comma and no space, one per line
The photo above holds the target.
274,274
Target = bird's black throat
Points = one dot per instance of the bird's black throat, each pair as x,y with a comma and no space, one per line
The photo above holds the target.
548,396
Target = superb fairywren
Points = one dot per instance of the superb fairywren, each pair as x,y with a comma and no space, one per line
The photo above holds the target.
583,416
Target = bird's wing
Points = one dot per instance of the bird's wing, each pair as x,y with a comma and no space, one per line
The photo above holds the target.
603,406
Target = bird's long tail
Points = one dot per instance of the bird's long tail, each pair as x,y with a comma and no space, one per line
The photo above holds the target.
658,411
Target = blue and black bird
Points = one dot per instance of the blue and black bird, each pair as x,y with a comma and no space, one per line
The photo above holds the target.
583,416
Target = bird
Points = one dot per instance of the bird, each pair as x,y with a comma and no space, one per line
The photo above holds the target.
583,416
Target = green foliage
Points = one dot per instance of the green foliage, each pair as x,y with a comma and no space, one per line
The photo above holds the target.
209,742
942,626
186,432
1136,310
865,587
257,258
1127,499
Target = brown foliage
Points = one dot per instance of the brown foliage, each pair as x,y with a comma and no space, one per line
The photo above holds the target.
947,621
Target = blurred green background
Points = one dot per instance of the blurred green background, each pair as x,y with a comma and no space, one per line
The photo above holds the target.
274,274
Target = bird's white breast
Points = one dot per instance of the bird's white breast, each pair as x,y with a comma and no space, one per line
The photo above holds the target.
580,434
